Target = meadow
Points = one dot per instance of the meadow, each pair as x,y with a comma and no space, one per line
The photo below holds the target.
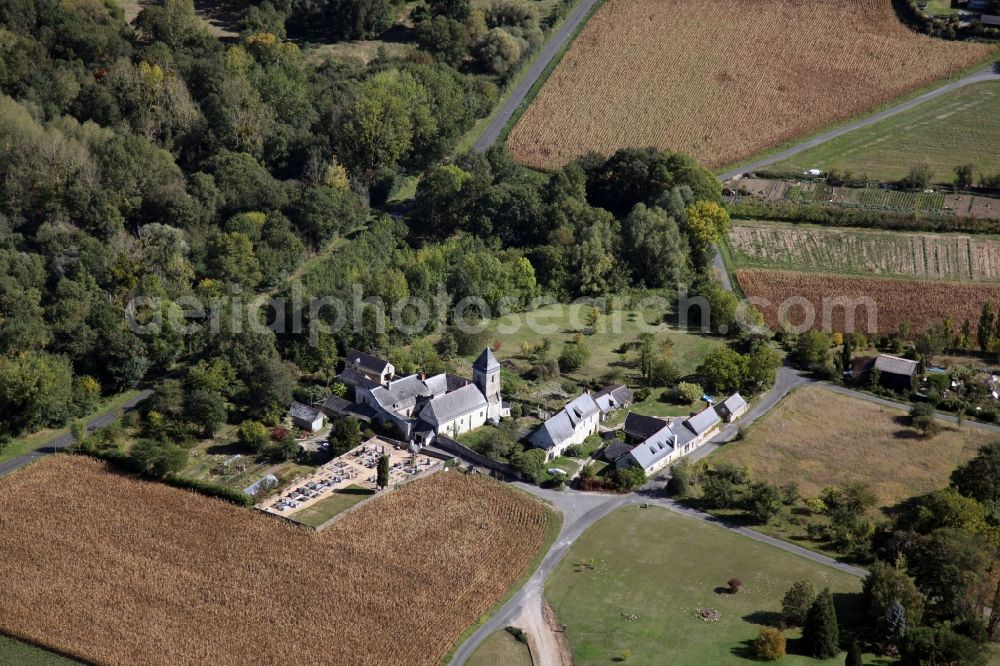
958,128
883,303
706,79
620,326
634,580
116,570
798,440
863,252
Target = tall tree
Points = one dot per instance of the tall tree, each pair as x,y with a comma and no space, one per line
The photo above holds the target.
821,633
383,472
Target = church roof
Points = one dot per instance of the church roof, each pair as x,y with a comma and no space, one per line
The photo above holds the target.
486,362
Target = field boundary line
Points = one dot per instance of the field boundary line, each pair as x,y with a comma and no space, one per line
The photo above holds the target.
977,74
524,91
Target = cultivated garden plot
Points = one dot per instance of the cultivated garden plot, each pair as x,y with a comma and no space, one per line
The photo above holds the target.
803,247
920,303
725,80
121,571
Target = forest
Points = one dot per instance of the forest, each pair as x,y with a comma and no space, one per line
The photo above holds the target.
155,162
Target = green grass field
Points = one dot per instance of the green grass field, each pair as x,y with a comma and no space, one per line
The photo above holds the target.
958,128
661,567
559,323
325,509
501,648
13,651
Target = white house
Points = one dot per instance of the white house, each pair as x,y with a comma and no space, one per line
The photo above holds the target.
612,399
374,368
669,442
306,417
574,423
732,408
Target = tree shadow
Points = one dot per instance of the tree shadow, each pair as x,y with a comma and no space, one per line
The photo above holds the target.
745,650
227,449
765,619
907,434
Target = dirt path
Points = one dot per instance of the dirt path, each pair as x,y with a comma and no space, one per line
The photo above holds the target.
546,639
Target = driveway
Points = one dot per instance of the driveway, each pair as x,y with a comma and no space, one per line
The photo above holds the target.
581,510
62,442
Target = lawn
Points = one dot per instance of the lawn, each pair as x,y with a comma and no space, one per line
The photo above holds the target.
819,438
43,437
633,581
620,326
501,648
13,651
325,509
958,128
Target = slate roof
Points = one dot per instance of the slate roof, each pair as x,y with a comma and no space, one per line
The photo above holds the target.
895,365
615,450
303,412
731,405
655,449
613,397
357,380
450,406
401,393
563,425
486,362
437,384
703,421
642,427
370,363
339,407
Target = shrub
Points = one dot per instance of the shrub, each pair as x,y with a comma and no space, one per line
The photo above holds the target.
770,644
573,451
686,392
796,602
734,585
573,357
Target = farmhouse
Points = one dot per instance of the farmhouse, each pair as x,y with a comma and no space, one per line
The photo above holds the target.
731,408
306,417
893,372
374,368
657,442
575,422
613,398
639,428
421,407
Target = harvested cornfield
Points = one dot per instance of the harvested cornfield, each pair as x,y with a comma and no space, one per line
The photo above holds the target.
725,79
121,571
877,305
799,247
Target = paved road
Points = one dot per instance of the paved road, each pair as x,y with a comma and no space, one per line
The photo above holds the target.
62,442
580,511
991,73
549,50
885,402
